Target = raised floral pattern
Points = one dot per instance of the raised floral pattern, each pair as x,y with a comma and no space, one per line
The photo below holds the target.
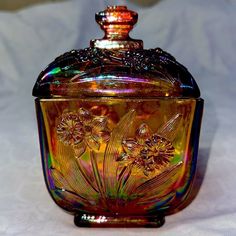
81,129
108,179
140,60
151,153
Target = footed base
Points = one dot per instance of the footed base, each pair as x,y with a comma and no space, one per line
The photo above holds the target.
85,220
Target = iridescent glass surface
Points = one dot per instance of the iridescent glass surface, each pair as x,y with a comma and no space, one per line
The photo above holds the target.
119,129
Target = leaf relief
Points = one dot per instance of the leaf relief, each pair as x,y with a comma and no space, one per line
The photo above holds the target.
113,151
67,174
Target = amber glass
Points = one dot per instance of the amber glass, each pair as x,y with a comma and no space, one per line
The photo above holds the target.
119,129
118,157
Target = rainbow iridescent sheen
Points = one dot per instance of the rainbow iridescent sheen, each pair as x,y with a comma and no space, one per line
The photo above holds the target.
97,174
119,129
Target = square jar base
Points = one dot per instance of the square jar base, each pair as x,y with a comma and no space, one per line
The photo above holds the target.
86,220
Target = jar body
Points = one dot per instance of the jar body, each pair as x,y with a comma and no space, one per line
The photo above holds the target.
111,160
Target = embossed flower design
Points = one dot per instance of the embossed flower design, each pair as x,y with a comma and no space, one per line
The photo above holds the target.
144,60
81,129
149,152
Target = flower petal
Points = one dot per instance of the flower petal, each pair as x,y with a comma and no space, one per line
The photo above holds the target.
99,123
131,146
105,135
79,149
99,128
93,142
70,129
143,133
85,115
123,157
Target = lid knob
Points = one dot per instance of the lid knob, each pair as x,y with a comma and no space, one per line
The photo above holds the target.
117,22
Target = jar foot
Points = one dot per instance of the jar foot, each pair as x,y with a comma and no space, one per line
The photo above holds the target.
86,220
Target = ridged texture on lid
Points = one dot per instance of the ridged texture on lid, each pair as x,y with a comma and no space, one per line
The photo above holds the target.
116,66
94,72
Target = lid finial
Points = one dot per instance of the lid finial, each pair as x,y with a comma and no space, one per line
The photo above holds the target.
117,22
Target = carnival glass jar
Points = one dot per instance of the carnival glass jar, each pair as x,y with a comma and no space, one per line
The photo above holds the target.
119,128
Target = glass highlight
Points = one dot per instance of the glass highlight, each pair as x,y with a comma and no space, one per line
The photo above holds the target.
119,129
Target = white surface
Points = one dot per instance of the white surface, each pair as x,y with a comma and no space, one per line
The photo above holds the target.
200,33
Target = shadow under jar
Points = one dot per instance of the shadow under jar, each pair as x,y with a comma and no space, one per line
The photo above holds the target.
119,129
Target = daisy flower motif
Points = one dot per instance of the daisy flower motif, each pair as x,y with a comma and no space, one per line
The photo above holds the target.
149,152
81,129
70,129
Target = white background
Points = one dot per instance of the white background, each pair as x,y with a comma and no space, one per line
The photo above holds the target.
201,34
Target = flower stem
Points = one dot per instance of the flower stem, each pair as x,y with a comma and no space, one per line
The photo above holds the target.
97,176
123,178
